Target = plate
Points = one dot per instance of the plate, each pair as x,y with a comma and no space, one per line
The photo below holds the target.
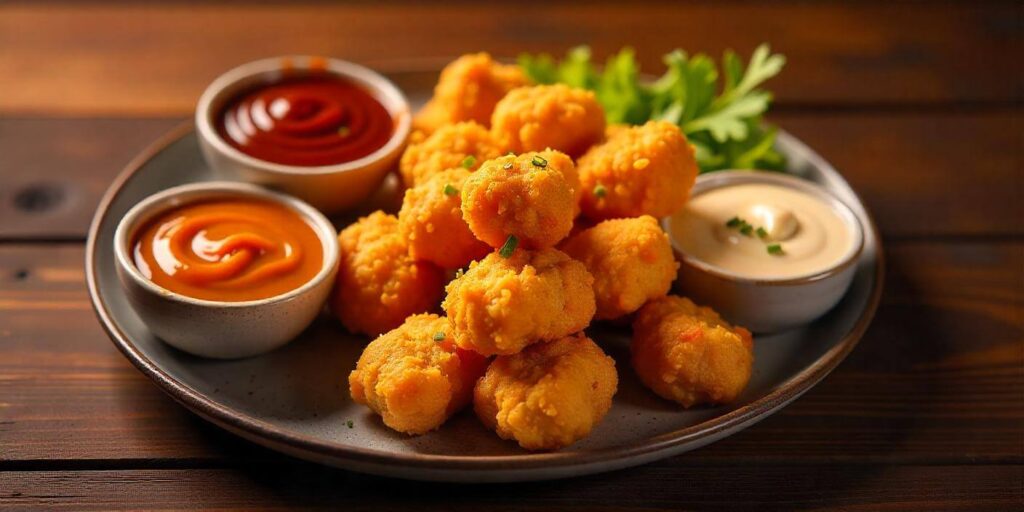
295,400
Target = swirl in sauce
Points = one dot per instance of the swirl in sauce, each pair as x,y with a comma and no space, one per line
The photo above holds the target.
308,121
811,234
228,250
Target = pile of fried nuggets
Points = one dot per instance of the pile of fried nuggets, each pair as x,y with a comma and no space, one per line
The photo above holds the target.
498,172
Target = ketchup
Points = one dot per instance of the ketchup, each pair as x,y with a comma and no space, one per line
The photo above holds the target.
313,120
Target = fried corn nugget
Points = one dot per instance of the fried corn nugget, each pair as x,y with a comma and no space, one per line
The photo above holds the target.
378,283
631,261
548,396
468,89
525,196
431,222
688,354
639,170
548,116
501,305
414,376
466,145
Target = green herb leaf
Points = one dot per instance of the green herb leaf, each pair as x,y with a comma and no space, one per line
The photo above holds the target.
600,191
723,123
761,233
746,229
775,250
734,222
508,247
349,424
539,161
449,190
439,336
468,162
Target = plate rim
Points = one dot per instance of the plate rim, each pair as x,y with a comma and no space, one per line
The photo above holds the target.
561,462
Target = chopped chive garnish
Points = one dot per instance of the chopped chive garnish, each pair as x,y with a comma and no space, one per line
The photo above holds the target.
349,424
761,233
733,222
539,161
469,162
600,191
449,190
508,247
439,336
746,229
775,250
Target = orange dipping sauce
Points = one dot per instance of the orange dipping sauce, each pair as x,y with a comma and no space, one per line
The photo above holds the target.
229,250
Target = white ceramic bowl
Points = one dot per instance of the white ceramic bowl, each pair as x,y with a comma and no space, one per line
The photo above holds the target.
330,188
216,329
759,304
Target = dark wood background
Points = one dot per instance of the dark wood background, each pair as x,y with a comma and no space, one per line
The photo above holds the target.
918,104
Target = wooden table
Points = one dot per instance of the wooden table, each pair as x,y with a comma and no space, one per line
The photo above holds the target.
918,104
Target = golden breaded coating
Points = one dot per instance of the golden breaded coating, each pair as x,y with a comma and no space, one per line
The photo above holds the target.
631,261
378,283
501,305
525,196
429,118
414,376
447,148
688,354
431,222
470,86
549,116
548,396
640,170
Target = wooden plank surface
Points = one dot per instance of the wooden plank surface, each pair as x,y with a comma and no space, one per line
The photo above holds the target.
666,485
908,168
938,379
99,58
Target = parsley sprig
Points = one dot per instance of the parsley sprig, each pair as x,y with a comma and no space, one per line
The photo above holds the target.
723,122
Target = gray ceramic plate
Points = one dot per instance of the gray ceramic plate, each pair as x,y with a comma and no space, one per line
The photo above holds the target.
295,399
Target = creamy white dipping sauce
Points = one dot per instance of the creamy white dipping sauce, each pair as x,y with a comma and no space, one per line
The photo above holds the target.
812,235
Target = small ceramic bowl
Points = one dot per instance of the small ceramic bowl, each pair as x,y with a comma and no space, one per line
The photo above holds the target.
216,329
330,188
759,304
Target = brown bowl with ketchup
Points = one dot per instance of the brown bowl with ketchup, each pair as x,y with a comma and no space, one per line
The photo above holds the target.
324,130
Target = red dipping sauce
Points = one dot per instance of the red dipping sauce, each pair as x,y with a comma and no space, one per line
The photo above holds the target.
312,120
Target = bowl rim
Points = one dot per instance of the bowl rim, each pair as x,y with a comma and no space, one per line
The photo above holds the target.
193,192
266,70
730,177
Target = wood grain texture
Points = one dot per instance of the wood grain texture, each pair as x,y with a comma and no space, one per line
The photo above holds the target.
666,486
128,58
938,379
909,169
